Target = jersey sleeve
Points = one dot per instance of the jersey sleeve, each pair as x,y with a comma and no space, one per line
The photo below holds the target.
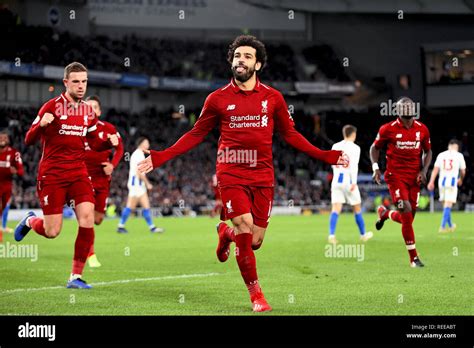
462,162
354,163
286,127
438,161
118,153
207,120
94,140
382,137
17,162
426,141
35,131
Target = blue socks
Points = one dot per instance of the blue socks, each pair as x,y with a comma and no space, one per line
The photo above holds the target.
5,216
333,222
124,217
446,218
360,222
147,217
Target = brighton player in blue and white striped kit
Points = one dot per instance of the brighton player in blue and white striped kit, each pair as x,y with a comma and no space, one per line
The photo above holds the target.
451,166
138,185
344,187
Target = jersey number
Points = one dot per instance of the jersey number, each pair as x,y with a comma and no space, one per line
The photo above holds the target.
448,164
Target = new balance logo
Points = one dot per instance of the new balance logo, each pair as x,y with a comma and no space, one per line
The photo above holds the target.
399,136
45,200
231,107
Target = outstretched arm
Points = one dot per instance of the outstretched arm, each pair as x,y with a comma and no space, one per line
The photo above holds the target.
205,123
286,127
299,142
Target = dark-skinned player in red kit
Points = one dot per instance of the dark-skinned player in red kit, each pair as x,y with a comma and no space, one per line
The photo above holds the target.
408,158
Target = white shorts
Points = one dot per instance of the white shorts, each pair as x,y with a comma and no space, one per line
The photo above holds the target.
136,190
342,194
448,193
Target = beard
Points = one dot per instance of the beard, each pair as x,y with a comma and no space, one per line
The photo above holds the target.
244,75
407,117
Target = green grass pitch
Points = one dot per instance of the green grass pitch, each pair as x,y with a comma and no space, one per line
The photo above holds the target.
177,273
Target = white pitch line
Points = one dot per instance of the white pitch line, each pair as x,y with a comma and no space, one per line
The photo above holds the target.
123,281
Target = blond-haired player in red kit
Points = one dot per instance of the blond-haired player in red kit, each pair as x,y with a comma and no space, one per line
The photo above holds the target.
63,125
247,113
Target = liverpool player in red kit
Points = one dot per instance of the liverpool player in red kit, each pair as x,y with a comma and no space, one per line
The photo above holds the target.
10,164
407,141
100,165
247,113
63,125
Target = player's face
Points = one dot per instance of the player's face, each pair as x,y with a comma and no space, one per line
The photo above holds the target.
76,84
244,63
3,140
95,106
406,110
145,145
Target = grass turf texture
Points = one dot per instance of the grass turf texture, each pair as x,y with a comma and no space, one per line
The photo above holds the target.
296,276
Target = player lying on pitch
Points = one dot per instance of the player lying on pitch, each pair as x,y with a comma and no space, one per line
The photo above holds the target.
247,113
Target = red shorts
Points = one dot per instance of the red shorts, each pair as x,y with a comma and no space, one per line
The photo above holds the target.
101,193
405,189
5,195
53,196
238,200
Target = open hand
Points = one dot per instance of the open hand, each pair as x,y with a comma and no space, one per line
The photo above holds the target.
146,165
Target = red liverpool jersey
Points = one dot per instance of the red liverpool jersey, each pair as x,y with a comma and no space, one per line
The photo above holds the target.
9,158
404,147
246,120
63,140
94,159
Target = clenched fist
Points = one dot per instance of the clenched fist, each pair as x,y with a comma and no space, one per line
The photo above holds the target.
46,119
113,138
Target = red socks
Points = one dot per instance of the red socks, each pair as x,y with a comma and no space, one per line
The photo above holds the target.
395,216
408,234
84,241
91,252
37,225
246,259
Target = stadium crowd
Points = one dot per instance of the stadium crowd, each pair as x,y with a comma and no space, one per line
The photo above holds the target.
159,57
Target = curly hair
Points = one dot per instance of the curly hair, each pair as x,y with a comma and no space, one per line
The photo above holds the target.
251,41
